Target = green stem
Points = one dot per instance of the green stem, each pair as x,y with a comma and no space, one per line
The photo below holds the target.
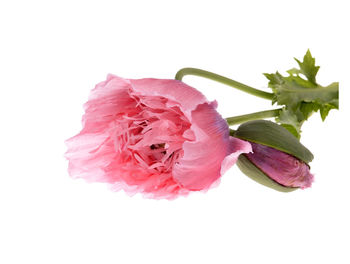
253,116
215,77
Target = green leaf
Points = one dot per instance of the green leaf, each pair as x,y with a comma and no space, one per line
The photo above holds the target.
301,95
290,122
293,71
308,67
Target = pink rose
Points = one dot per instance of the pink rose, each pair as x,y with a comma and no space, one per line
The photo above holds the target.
159,137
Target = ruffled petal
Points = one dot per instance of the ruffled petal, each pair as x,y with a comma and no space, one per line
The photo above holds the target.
108,101
88,154
178,92
93,149
236,148
200,165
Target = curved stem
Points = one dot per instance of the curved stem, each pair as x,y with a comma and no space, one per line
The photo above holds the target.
253,116
215,77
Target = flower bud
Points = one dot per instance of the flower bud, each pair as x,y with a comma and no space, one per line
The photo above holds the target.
278,159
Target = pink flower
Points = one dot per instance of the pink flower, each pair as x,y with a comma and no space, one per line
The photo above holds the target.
159,137
281,167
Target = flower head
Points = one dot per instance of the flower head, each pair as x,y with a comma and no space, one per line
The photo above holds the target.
159,137
278,159
280,166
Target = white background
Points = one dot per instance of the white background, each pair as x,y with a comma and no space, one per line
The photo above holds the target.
52,53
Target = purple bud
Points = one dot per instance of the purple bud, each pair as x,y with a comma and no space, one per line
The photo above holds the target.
280,166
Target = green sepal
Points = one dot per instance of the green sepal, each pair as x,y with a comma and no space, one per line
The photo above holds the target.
253,172
272,135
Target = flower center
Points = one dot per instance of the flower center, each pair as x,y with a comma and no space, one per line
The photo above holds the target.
152,137
157,146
